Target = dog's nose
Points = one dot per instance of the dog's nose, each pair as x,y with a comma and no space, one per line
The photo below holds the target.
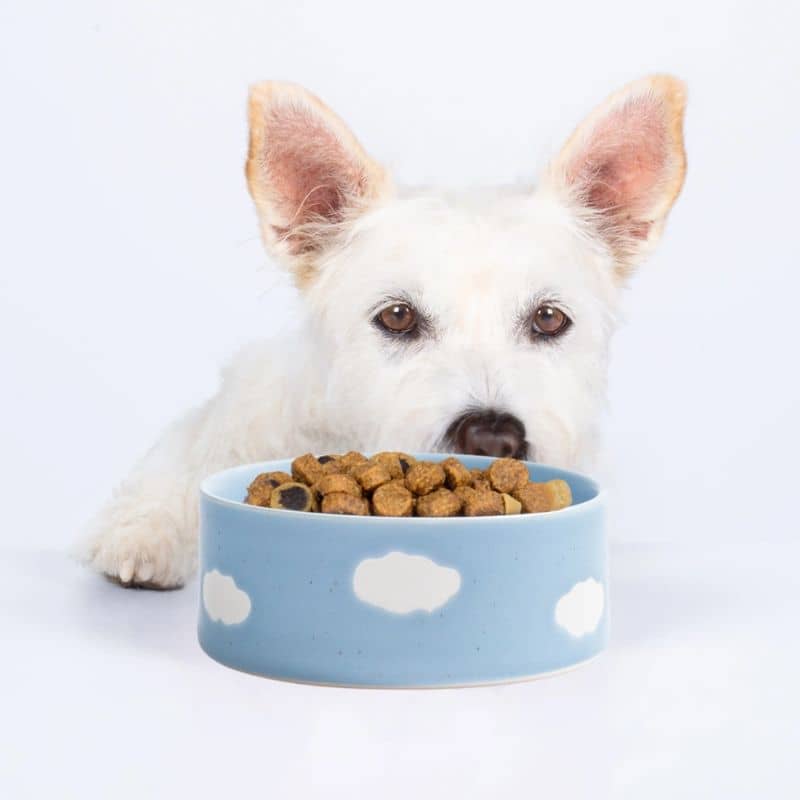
488,433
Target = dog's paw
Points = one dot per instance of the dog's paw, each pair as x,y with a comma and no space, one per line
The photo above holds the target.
145,552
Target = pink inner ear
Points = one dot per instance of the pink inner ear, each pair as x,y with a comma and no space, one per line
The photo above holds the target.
620,167
311,172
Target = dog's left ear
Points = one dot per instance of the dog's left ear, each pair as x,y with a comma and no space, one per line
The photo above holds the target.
308,175
624,166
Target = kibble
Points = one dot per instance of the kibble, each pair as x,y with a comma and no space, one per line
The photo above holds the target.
483,503
393,500
391,463
507,474
463,492
511,505
370,475
439,503
456,474
424,477
293,496
259,491
395,484
480,482
350,459
549,496
337,482
307,469
343,503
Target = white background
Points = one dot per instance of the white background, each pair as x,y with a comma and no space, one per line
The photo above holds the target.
130,269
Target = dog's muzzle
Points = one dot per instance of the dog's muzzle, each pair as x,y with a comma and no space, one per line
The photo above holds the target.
487,432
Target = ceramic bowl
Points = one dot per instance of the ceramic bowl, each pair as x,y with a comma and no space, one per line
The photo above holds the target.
401,602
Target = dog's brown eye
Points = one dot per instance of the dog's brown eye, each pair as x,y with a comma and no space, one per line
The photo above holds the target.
397,318
549,321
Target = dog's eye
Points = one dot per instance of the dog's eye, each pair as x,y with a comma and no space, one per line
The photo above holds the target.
397,318
549,321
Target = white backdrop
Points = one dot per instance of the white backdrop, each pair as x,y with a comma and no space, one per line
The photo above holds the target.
130,267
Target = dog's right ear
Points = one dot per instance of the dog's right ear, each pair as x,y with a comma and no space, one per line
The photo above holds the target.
308,175
624,166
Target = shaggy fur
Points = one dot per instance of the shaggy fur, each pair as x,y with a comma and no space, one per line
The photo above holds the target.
475,265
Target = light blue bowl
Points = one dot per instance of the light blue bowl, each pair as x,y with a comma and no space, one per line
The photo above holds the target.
401,602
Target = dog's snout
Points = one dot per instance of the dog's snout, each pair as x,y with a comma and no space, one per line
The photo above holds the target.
488,433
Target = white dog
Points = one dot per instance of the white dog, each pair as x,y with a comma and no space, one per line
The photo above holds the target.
476,323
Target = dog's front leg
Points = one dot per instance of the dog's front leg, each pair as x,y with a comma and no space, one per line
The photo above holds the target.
147,533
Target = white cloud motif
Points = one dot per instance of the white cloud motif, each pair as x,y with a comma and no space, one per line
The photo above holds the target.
224,601
580,610
403,583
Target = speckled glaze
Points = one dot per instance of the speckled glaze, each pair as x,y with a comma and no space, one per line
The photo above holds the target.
307,597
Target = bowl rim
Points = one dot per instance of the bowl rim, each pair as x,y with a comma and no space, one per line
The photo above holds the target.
577,508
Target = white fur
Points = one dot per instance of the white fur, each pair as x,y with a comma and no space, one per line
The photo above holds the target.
473,262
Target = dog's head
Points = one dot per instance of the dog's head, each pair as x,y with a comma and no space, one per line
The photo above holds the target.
474,322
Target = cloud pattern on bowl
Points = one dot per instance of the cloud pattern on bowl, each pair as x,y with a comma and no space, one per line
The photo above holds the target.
223,600
402,583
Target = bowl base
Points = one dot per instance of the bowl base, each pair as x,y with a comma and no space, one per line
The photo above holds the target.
428,686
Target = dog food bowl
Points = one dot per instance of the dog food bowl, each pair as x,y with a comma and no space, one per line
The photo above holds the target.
401,602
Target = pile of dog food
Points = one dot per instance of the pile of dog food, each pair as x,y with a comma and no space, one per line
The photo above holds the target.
397,485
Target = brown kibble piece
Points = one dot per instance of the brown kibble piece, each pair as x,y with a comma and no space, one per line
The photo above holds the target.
511,505
481,483
406,462
390,462
549,496
395,462
350,459
561,493
338,483
483,503
456,474
424,477
259,491
343,503
507,474
533,497
293,496
463,492
280,477
393,500
307,469
370,475
332,467
439,503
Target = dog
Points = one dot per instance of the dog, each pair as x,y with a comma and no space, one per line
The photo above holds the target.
476,322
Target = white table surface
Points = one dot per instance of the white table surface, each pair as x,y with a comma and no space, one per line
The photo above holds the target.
106,693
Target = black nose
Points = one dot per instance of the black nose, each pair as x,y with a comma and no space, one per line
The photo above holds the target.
488,433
